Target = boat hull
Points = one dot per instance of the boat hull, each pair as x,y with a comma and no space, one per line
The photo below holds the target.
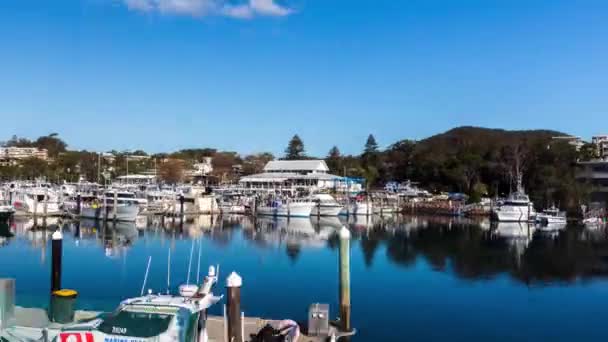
326,210
303,209
358,209
123,213
514,214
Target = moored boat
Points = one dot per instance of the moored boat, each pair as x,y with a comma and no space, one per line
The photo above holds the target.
325,205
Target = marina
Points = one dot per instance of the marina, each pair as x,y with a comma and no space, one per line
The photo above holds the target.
441,263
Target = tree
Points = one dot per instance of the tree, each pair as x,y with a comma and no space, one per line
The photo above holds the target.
172,171
371,146
588,152
333,159
52,144
295,149
255,163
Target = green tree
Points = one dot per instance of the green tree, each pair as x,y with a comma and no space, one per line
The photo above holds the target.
371,146
52,144
588,152
334,159
295,149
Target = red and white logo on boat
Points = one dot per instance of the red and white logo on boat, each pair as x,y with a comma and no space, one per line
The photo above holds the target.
76,337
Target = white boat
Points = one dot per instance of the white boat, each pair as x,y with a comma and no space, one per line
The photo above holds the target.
290,208
154,317
119,206
516,208
359,208
325,205
38,199
551,216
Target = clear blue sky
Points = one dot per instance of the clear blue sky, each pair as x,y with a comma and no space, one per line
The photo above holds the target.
246,75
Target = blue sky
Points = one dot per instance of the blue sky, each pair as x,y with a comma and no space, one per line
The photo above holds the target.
246,75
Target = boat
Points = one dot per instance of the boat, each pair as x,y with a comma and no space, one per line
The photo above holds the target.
6,212
357,208
516,208
36,199
288,208
153,317
119,206
551,216
325,205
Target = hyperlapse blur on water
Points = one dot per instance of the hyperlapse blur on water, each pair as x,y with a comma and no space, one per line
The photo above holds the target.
413,278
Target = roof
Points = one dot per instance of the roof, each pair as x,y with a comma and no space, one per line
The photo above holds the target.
283,176
293,165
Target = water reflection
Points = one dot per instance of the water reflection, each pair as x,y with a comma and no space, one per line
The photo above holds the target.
468,248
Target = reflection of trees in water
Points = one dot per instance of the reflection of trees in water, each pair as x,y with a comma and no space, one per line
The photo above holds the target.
470,252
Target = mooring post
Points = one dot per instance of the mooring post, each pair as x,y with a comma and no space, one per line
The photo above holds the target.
345,279
78,204
235,322
181,205
114,208
46,201
57,245
35,206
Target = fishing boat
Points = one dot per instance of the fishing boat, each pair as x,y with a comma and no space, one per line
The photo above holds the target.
119,206
288,208
551,216
325,205
153,317
36,199
516,208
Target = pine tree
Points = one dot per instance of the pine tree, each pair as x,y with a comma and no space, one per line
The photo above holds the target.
295,149
333,159
371,146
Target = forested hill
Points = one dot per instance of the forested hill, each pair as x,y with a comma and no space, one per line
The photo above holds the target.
482,140
482,161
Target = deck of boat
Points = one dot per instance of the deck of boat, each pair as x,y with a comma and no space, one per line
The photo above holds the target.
31,323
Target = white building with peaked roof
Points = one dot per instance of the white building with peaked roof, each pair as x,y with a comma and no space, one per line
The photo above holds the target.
294,175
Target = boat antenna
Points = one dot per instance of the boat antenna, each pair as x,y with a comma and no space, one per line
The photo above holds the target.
168,270
146,276
198,266
190,263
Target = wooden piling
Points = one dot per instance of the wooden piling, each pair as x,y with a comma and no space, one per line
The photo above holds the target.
235,322
46,201
345,279
56,251
78,204
114,208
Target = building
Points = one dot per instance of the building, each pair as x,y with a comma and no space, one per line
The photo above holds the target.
296,175
595,173
577,142
12,155
601,143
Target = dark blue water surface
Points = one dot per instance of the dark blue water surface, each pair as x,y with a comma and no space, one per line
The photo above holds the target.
413,278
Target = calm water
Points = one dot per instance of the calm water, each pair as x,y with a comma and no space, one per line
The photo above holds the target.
413,278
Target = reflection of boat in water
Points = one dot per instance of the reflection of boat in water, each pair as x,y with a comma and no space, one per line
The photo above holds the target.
551,227
328,222
514,230
294,231
517,234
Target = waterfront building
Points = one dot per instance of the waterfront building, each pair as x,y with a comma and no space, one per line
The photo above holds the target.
12,155
297,175
601,143
595,173
577,142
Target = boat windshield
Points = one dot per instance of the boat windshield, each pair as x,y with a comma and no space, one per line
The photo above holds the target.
135,324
